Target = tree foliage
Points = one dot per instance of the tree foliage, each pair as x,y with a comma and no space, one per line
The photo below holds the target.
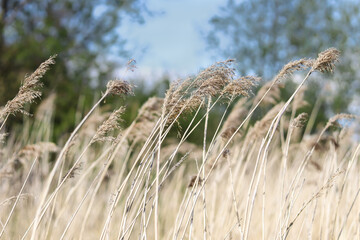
263,35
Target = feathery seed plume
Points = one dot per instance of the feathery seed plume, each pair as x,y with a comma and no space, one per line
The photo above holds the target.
332,120
111,124
326,60
119,87
179,100
293,66
241,86
300,120
28,92
214,78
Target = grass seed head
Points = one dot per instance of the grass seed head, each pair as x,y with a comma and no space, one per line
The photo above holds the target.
241,86
178,100
300,120
111,124
326,60
293,66
119,87
213,79
333,120
28,92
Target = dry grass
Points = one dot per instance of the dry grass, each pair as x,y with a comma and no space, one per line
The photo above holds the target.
105,182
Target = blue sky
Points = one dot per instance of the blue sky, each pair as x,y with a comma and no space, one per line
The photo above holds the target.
172,38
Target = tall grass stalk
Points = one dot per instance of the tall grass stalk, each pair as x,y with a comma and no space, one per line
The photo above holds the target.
255,174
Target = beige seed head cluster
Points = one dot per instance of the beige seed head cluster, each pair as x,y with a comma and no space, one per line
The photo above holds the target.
293,66
217,80
119,87
214,78
332,120
176,108
241,86
326,60
111,124
179,99
300,120
28,92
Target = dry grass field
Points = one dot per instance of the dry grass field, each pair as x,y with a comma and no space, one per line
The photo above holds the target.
268,180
